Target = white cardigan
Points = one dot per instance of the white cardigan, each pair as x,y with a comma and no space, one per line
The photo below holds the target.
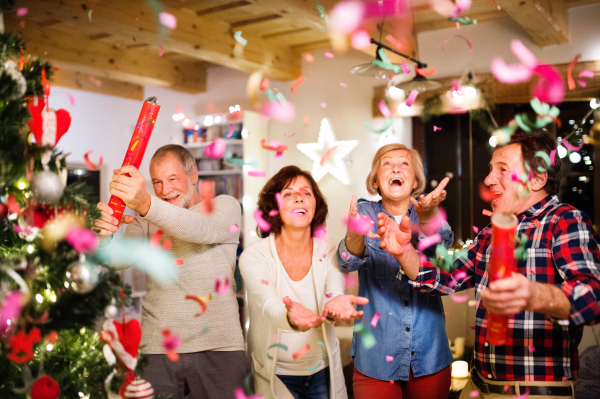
259,264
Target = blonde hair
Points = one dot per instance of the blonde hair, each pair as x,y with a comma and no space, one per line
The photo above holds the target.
417,166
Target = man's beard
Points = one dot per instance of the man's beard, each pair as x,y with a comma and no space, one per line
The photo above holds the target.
184,199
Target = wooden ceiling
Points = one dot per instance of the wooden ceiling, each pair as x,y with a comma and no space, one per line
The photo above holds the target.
113,46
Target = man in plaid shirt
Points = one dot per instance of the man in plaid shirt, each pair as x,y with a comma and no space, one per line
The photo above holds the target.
552,295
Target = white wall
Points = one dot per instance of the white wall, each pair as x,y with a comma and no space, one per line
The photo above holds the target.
492,39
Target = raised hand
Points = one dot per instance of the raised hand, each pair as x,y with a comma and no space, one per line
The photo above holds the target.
107,224
300,317
394,238
129,185
340,308
426,209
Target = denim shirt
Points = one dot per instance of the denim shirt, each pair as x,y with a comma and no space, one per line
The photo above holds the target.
411,328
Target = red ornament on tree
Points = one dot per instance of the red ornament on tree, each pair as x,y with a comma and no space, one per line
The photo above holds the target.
22,345
47,125
45,388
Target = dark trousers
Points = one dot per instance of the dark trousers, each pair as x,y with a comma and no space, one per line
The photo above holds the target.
314,386
204,375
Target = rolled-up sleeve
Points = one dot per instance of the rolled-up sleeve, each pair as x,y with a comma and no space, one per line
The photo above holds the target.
577,259
348,262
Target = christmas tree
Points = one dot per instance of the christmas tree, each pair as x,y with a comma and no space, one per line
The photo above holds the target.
53,285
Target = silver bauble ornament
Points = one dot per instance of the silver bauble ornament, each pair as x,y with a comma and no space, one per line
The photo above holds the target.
11,69
46,187
82,276
111,311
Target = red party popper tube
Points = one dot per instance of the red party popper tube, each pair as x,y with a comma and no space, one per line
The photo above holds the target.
137,147
502,264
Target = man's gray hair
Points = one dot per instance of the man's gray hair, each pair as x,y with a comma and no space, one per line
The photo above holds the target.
185,157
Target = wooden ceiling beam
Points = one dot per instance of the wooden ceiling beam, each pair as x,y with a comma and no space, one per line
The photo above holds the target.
82,81
106,60
546,21
196,36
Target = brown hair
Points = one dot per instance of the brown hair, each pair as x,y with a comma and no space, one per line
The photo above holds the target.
417,166
533,142
267,201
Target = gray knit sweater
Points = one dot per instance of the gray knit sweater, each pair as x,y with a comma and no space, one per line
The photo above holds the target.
208,248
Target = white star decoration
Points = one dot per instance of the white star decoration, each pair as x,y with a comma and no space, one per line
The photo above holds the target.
327,154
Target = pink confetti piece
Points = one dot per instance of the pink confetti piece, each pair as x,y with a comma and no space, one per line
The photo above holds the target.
82,240
476,229
71,98
263,281
375,319
459,298
230,131
22,24
411,97
328,54
301,352
435,128
221,285
309,57
570,81
297,83
345,255
361,39
389,358
510,74
487,213
89,163
343,84
273,212
279,199
350,281
162,51
523,54
133,37
460,7
260,222
471,327
385,111
282,112
572,147
460,37
320,233
524,396
552,155
531,348
428,241
405,67
474,394
323,105
399,46
584,74
167,20
550,88
21,12
216,149
234,228
170,341
360,224
328,295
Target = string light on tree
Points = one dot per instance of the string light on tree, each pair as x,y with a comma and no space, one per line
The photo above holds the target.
328,153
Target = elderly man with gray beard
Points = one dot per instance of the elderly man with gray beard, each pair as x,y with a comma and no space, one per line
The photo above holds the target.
211,361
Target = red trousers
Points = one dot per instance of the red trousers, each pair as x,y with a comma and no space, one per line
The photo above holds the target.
433,386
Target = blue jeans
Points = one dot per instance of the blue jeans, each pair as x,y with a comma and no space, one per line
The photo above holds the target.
315,386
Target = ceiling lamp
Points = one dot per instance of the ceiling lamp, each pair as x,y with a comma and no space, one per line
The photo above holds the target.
419,83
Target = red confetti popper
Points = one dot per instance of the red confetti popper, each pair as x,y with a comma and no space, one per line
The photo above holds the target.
137,147
502,264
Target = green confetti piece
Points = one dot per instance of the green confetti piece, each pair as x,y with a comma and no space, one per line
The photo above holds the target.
368,340
280,97
271,95
464,21
238,37
358,327
523,122
384,62
316,366
386,125
90,14
277,345
541,170
545,157
322,12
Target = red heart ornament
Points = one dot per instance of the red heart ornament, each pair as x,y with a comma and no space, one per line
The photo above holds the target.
130,335
48,126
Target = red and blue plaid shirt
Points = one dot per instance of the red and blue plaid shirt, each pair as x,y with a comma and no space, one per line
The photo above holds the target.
563,251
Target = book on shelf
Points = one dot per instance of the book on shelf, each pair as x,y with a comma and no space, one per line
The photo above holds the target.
225,184
203,134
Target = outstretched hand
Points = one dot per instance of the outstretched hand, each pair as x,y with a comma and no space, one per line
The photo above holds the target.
108,224
340,308
426,208
300,317
358,228
394,238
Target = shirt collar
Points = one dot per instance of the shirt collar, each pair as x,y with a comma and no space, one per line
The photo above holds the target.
541,206
409,211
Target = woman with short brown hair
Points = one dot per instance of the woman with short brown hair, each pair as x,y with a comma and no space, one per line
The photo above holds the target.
294,284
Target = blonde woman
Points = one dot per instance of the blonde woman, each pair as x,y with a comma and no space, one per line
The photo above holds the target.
411,344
